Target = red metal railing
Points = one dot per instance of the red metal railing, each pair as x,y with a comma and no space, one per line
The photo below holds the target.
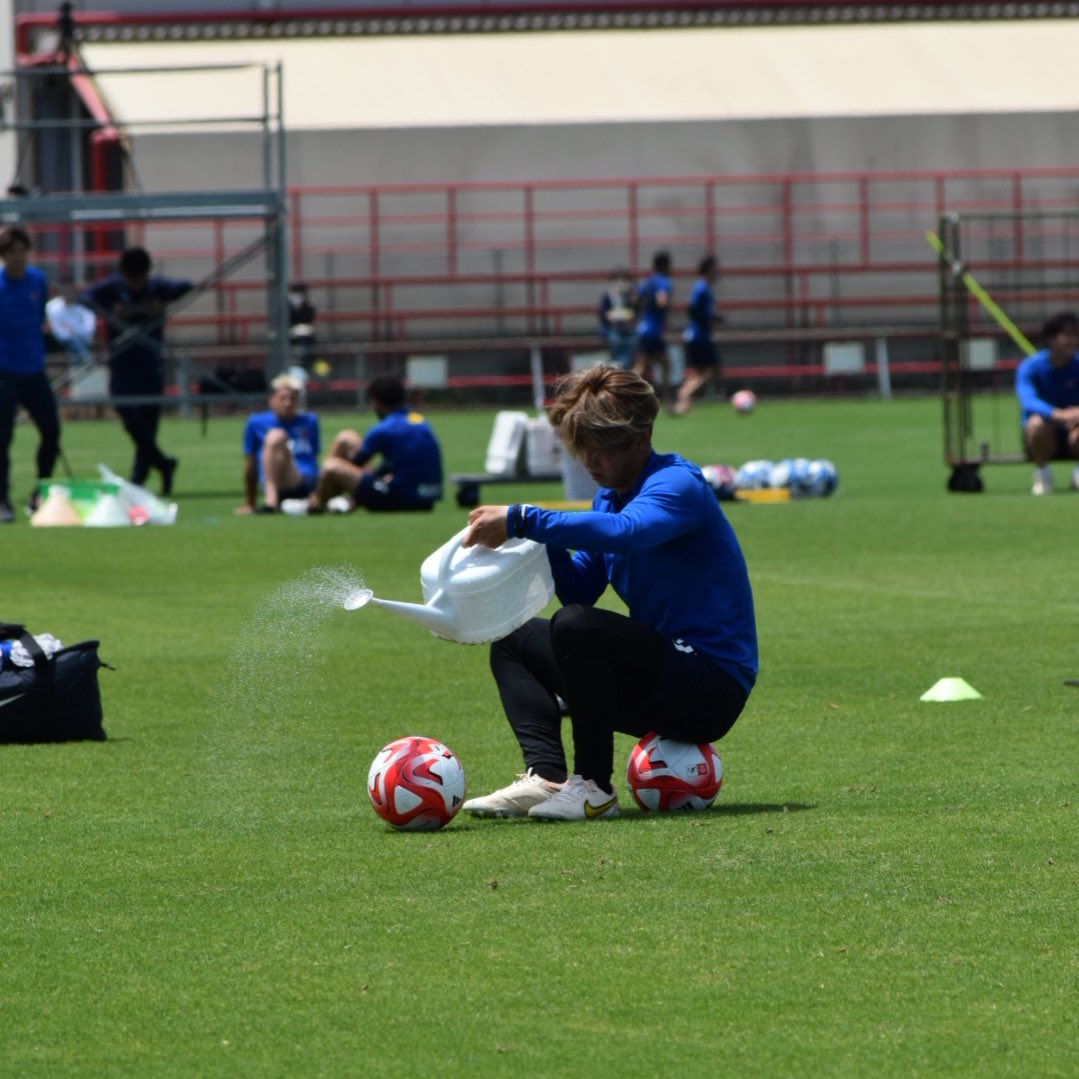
413,262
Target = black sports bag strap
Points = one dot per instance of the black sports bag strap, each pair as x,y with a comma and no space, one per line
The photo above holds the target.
12,631
41,661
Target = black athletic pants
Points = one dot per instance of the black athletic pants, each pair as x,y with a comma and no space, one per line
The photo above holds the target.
35,394
140,422
614,675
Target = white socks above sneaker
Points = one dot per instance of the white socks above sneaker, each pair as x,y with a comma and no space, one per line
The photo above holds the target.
1043,481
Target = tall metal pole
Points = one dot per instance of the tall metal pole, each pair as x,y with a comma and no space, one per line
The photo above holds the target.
273,153
8,146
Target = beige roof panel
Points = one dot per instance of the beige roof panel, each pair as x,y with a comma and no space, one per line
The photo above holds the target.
613,77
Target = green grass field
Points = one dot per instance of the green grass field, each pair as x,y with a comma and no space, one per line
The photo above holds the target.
885,887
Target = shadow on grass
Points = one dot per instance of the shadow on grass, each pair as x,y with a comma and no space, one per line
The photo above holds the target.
739,809
183,493
631,813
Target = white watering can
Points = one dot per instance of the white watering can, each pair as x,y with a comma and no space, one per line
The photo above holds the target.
476,594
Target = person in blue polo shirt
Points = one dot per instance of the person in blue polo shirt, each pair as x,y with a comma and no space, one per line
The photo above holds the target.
702,359
397,465
1047,385
23,293
653,301
281,447
681,663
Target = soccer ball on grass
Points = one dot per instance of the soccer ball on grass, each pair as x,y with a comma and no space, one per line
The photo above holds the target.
416,784
665,776
744,402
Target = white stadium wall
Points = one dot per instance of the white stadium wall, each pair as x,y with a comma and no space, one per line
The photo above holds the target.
494,154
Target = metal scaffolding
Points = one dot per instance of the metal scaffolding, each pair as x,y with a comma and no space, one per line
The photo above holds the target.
76,210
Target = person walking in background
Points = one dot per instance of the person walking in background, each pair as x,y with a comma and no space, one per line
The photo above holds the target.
408,473
301,324
616,318
681,663
134,303
1047,385
281,447
702,358
653,300
23,381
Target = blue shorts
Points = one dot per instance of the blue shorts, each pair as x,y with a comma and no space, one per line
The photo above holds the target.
1063,450
650,345
301,490
377,495
701,355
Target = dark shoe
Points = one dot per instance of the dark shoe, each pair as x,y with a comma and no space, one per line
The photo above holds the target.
33,502
265,507
168,470
7,514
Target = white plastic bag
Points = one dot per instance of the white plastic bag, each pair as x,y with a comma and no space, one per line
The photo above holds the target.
144,507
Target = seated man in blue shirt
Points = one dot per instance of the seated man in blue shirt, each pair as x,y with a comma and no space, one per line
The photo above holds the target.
408,472
281,447
683,660
1047,385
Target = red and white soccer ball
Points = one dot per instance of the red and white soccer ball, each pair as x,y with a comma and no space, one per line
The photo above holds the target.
665,776
721,479
416,784
744,401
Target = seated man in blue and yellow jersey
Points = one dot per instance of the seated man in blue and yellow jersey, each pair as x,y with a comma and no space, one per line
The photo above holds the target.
407,474
281,447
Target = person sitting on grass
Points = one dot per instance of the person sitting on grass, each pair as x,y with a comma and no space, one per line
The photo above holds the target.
681,663
281,447
407,474
1047,385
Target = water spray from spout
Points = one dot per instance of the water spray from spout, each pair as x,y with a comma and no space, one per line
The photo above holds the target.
360,598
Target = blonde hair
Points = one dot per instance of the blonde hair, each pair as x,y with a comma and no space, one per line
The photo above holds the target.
602,408
286,382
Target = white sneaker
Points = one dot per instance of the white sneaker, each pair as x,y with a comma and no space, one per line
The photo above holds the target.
1043,482
1075,478
579,799
294,507
339,504
523,794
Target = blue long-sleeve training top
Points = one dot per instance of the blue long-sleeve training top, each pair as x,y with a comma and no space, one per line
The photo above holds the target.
1042,386
670,554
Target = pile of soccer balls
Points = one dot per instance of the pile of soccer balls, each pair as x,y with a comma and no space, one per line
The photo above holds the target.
418,784
805,478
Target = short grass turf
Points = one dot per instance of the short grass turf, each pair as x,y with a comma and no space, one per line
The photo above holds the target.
884,887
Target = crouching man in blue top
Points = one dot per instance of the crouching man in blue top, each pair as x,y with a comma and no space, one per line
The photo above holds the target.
281,447
1047,385
397,465
681,663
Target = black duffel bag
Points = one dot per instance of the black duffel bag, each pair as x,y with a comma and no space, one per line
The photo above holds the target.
55,700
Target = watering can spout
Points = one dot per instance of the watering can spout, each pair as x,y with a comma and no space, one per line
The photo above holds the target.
439,620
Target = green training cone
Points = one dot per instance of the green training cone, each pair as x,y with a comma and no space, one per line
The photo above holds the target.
952,689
